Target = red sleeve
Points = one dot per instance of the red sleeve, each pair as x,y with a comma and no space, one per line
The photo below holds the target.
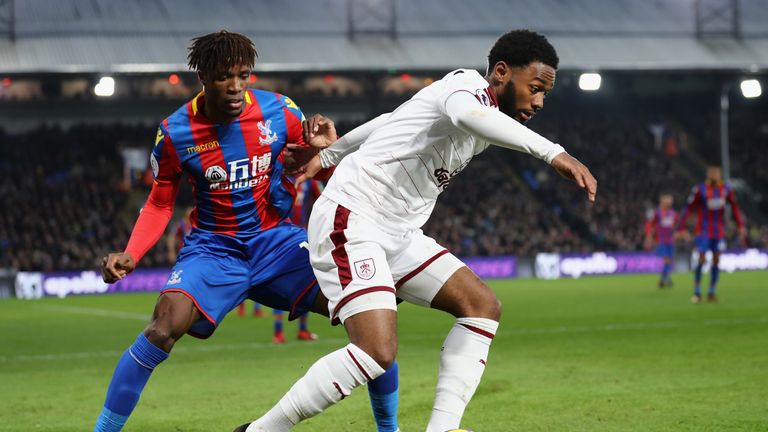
735,208
649,224
157,211
153,219
694,200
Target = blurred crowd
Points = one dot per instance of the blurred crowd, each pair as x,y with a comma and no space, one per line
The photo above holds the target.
62,196
70,196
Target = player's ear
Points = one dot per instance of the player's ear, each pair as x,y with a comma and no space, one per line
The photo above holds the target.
201,77
500,71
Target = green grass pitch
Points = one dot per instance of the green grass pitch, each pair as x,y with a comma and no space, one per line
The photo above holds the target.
593,354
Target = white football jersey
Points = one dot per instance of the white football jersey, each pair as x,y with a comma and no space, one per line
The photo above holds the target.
396,175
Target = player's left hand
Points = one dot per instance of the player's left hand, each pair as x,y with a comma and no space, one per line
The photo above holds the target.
648,244
310,170
743,236
319,131
570,168
296,157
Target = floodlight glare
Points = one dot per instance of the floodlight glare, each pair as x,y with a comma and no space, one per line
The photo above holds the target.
105,87
751,88
590,81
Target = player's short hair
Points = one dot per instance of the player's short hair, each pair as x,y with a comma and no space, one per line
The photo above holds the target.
220,51
519,48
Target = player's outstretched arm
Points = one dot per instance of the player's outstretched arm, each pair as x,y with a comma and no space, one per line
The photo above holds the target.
333,153
570,168
350,142
149,228
497,128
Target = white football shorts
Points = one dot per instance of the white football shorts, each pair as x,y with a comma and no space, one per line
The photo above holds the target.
360,267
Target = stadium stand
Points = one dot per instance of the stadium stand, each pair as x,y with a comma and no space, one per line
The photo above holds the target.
69,203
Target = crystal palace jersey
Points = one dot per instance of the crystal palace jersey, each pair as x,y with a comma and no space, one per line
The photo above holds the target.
235,169
663,224
709,200
397,174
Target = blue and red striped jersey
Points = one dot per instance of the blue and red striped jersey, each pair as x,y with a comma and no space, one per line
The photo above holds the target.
306,195
236,169
663,223
709,200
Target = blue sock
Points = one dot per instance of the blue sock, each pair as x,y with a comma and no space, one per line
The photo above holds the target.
131,374
713,278
256,307
697,279
665,272
303,323
278,315
383,394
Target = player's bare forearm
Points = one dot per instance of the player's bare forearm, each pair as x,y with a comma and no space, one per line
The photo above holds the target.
570,168
296,157
309,170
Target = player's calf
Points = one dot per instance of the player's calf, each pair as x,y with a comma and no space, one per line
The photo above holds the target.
465,351
174,314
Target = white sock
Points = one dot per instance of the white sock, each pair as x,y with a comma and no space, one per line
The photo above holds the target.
462,363
328,381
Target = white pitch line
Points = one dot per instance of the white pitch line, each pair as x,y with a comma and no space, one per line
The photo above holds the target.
337,341
638,326
107,313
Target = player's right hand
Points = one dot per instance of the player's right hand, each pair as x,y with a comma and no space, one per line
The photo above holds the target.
116,266
319,131
570,168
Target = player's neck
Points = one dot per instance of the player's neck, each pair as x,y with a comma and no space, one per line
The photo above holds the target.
214,116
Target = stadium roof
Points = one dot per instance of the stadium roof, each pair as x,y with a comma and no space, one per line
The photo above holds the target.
152,35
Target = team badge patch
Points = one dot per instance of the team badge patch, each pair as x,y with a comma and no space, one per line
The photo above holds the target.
267,136
154,164
365,269
175,277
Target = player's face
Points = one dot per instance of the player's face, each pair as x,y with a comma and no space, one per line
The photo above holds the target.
666,201
714,174
524,89
225,91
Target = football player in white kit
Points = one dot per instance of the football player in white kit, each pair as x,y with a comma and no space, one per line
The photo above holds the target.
365,241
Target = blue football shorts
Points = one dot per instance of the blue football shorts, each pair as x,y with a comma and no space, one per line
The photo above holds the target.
218,272
665,250
704,244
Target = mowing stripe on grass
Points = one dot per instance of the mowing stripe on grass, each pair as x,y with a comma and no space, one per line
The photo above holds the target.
337,341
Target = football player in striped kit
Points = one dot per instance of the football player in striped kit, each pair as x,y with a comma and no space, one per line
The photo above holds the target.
230,141
708,200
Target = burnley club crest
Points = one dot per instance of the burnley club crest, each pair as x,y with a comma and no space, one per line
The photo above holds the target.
365,269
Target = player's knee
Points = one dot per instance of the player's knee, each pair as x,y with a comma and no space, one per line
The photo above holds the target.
383,353
160,335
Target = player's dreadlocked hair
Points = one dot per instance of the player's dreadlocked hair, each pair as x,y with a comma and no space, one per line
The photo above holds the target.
521,47
221,51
